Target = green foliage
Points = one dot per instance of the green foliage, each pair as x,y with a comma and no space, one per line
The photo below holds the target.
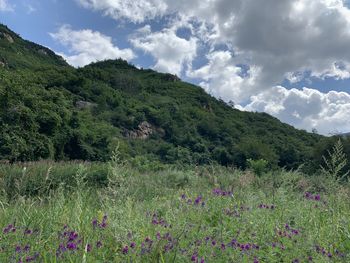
51,111
258,166
335,162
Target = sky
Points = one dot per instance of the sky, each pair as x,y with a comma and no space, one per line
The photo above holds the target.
288,58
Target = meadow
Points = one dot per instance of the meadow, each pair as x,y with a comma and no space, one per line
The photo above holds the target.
116,212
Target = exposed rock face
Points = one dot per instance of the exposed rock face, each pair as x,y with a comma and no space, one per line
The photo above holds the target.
172,78
6,36
144,131
80,104
42,52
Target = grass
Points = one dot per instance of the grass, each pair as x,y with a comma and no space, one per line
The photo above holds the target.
83,212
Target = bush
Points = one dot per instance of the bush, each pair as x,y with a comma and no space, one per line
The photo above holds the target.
258,166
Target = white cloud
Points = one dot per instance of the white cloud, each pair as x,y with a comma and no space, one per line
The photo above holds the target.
171,52
30,9
279,37
88,46
306,108
274,40
221,78
134,10
5,6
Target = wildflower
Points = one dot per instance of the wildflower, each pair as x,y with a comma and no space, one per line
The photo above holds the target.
198,200
28,232
72,236
26,248
71,246
18,249
223,247
98,244
194,257
308,195
88,248
132,244
7,229
125,250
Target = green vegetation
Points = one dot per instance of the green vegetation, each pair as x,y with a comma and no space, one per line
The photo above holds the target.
172,192
83,212
49,110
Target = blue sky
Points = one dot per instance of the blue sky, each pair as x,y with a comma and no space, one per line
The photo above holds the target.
287,58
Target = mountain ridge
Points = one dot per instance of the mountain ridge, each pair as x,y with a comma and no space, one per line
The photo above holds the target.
85,113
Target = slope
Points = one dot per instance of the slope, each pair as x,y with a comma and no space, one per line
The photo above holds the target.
49,110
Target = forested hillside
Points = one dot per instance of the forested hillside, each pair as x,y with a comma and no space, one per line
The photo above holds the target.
50,110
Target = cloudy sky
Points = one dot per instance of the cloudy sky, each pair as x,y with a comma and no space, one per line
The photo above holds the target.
289,58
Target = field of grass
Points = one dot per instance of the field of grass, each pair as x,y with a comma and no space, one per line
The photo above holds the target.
82,212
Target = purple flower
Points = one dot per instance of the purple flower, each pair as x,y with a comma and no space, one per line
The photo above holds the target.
98,244
308,195
132,244
71,246
7,229
317,197
125,250
295,232
26,248
28,232
198,200
223,247
72,236
88,248
18,249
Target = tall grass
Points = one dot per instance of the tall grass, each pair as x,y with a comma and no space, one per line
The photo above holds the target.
90,212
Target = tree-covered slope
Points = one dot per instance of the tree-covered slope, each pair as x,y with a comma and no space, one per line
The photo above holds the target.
51,110
17,53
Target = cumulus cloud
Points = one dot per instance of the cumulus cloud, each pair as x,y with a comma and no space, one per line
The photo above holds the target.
5,6
134,10
279,37
88,46
306,108
222,78
266,42
171,52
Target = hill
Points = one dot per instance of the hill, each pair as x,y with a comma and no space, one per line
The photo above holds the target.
50,110
17,53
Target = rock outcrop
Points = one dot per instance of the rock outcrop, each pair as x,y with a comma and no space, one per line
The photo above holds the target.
80,104
144,131
7,37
